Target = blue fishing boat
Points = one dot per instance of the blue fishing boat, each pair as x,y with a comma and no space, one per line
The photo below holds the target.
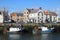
46,29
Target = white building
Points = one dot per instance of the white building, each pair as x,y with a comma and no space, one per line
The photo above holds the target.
40,16
1,17
58,20
50,16
36,15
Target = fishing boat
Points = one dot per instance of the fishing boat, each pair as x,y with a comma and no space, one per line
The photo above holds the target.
46,29
14,29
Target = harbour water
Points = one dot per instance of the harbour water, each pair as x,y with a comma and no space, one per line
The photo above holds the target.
28,36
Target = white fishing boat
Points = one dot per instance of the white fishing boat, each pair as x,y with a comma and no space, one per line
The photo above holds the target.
14,29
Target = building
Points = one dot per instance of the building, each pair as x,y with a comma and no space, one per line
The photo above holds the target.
4,16
58,20
34,15
50,16
39,16
17,17
1,17
25,15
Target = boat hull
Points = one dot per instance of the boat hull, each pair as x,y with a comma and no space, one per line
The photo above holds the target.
47,31
14,30
44,30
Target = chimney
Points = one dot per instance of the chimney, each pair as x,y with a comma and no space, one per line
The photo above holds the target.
40,8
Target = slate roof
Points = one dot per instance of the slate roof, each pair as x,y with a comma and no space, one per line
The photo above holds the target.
52,13
19,14
34,10
16,13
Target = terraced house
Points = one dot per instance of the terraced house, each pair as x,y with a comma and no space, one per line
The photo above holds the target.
39,16
16,17
50,16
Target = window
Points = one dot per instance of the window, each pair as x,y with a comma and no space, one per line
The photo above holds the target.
38,20
46,16
42,14
38,17
27,15
27,12
0,12
42,17
35,20
38,14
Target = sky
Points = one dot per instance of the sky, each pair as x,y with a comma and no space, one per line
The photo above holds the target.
20,5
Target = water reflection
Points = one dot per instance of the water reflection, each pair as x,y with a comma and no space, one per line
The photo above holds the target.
20,37
53,36
14,36
36,37
44,36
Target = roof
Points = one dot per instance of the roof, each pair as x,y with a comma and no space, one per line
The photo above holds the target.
12,14
50,13
19,14
15,13
33,10
46,12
